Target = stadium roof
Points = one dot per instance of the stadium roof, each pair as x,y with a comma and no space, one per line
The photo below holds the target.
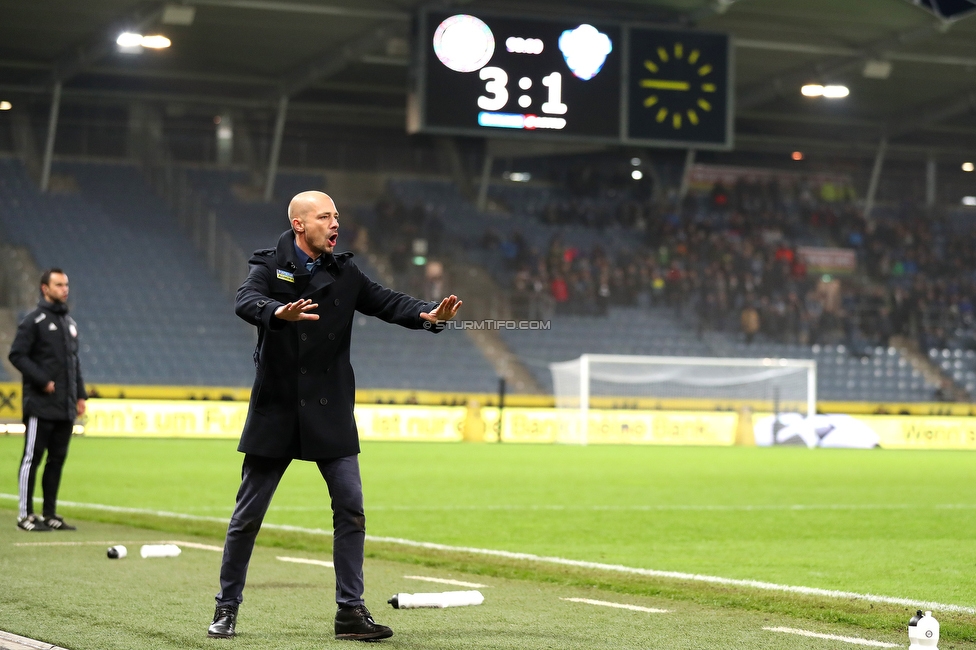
910,66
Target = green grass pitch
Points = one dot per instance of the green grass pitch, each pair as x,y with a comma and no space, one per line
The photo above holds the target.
890,523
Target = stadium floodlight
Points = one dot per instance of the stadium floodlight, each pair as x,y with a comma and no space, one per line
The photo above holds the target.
969,200
968,167
830,92
156,42
130,42
637,174
636,162
129,39
780,385
5,106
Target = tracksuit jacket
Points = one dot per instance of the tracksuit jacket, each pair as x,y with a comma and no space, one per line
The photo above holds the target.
46,349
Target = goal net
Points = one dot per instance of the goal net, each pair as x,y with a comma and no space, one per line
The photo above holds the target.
624,381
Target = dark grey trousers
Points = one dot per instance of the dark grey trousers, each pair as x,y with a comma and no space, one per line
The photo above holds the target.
259,480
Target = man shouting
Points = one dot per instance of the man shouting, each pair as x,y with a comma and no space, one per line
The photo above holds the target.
302,298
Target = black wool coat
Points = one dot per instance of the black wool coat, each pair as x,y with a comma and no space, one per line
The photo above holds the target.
304,387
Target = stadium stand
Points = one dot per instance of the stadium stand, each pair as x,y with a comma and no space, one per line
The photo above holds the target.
252,223
170,323
664,281
879,374
657,282
622,331
147,308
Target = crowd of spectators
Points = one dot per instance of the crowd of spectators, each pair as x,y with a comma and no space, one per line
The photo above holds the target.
708,261
727,259
926,265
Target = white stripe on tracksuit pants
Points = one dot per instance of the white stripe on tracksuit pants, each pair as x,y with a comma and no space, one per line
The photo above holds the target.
52,436
25,466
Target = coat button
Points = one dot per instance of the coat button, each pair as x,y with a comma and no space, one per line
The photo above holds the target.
336,303
302,402
331,336
304,371
304,337
323,401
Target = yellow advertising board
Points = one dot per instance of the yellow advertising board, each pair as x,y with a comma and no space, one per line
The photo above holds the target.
539,425
841,430
427,423
225,419
907,432
164,418
11,402
208,419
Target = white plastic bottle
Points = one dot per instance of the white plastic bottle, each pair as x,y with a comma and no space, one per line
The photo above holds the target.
923,632
117,552
159,550
437,600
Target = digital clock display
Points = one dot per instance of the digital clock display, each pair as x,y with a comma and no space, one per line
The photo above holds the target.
484,74
572,79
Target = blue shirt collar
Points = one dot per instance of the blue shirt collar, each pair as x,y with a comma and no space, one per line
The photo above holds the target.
311,266
303,257
306,261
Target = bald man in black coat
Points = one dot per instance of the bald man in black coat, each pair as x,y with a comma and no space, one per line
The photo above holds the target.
302,298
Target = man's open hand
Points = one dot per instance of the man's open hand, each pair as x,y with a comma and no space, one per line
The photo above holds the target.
298,310
445,311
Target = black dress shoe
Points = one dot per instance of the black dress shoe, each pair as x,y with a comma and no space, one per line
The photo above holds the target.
357,624
225,618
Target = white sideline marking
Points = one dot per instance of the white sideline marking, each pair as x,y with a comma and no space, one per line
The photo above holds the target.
112,543
605,603
636,508
833,637
619,568
792,507
755,584
303,560
202,547
444,581
17,642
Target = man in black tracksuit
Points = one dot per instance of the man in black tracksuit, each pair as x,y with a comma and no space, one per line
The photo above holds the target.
303,299
45,351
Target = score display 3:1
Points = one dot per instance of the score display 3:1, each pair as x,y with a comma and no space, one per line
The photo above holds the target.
487,73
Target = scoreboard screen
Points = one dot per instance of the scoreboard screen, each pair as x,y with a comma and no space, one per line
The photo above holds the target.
502,76
505,74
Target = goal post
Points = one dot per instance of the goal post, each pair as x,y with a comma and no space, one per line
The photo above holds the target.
621,381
